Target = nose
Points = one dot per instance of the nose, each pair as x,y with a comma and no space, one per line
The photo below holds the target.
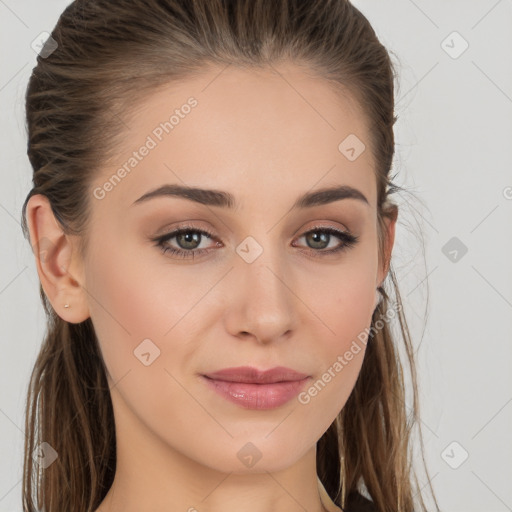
262,303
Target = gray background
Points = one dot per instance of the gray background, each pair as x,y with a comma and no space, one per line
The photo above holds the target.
454,152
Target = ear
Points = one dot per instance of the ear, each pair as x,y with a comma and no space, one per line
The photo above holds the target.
58,263
389,241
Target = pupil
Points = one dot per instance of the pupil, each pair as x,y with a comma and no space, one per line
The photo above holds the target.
320,238
189,238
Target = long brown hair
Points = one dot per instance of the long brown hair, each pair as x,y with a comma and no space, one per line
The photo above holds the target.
110,54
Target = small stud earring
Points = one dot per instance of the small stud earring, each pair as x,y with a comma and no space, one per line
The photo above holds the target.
66,305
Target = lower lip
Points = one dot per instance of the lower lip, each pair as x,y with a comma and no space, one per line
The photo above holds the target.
257,396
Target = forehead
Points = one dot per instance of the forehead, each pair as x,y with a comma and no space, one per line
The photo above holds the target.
276,130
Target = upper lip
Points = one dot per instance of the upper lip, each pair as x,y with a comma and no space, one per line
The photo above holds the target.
252,375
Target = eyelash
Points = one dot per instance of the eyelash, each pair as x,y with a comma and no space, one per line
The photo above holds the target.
348,240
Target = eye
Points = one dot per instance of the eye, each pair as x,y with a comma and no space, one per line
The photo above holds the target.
189,239
319,238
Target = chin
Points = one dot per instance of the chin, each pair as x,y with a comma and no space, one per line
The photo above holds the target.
258,456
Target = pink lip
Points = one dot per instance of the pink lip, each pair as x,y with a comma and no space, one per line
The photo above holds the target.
254,389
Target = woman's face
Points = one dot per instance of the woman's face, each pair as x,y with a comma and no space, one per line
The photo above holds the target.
261,290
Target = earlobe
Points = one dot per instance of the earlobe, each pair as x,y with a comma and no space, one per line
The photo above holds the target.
56,259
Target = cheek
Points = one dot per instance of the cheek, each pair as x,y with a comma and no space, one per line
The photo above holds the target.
342,358
132,301
343,294
121,301
344,305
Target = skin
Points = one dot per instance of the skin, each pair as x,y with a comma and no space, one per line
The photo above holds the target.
267,138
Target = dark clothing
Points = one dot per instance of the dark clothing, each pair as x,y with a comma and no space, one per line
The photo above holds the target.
358,503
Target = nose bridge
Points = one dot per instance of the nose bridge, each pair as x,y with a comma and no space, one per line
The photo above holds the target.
265,300
264,275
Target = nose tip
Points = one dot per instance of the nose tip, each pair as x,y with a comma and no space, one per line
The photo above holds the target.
262,304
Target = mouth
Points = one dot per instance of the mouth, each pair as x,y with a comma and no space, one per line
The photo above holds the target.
250,388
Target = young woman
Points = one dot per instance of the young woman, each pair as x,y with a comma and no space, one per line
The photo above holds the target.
213,232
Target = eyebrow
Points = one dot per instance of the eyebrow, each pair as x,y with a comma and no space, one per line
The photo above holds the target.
226,200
